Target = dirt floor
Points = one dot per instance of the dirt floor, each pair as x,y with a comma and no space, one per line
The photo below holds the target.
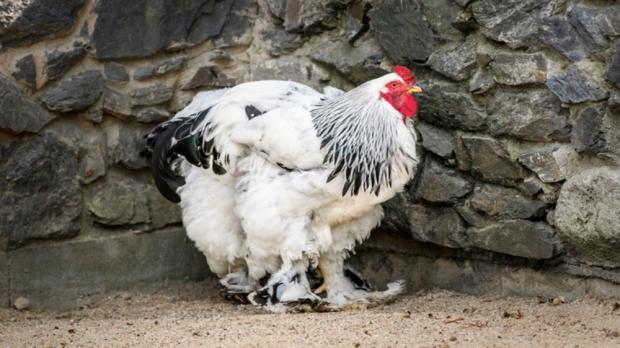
195,315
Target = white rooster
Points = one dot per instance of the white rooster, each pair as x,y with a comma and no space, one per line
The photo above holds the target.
274,177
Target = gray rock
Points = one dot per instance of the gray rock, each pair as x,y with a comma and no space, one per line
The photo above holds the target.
573,86
535,115
358,63
18,112
444,105
118,200
490,160
210,21
436,140
117,103
596,130
613,72
76,93
238,28
395,22
614,103
288,68
441,226
40,175
457,64
127,29
522,238
516,69
280,41
355,26
209,76
125,142
162,211
151,95
441,184
115,72
472,216
481,82
25,22
152,114
463,160
59,62
595,24
306,16
159,68
277,8
558,33
544,164
26,71
515,22
588,133
588,215
505,203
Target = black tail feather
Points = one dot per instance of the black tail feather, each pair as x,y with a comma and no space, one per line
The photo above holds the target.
167,143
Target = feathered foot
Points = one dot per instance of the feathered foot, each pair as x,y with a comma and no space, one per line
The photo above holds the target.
286,290
325,285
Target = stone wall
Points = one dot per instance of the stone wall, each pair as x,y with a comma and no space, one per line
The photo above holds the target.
519,129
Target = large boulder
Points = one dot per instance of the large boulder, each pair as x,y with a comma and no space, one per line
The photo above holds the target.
40,176
588,215
25,22
18,112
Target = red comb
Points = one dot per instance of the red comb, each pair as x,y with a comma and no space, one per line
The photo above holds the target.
405,74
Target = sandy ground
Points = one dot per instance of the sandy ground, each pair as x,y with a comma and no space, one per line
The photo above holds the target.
195,315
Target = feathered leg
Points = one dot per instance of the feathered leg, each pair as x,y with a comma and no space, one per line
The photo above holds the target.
289,286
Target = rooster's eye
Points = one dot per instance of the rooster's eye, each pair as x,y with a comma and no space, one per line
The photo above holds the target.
394,84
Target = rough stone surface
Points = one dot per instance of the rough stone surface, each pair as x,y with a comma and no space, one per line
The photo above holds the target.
535,115
152,95
118,200
395,22
588,215
505,202
491,161
458,64
238,29
24,22
209,76
5,301
441,226
519,69
124,144
358,63
446,106
544,164
121,262
558,33
588,133
288,69
41,172
280,41
59,62
18,112
436,140
115,72
76,93
613,73
522,238
573,86
143,28
595,24
26,71
159,68
441,184
514,22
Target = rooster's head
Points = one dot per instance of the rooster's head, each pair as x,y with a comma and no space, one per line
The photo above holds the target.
398,88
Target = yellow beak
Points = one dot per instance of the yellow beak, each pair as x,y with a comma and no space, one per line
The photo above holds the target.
414,90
